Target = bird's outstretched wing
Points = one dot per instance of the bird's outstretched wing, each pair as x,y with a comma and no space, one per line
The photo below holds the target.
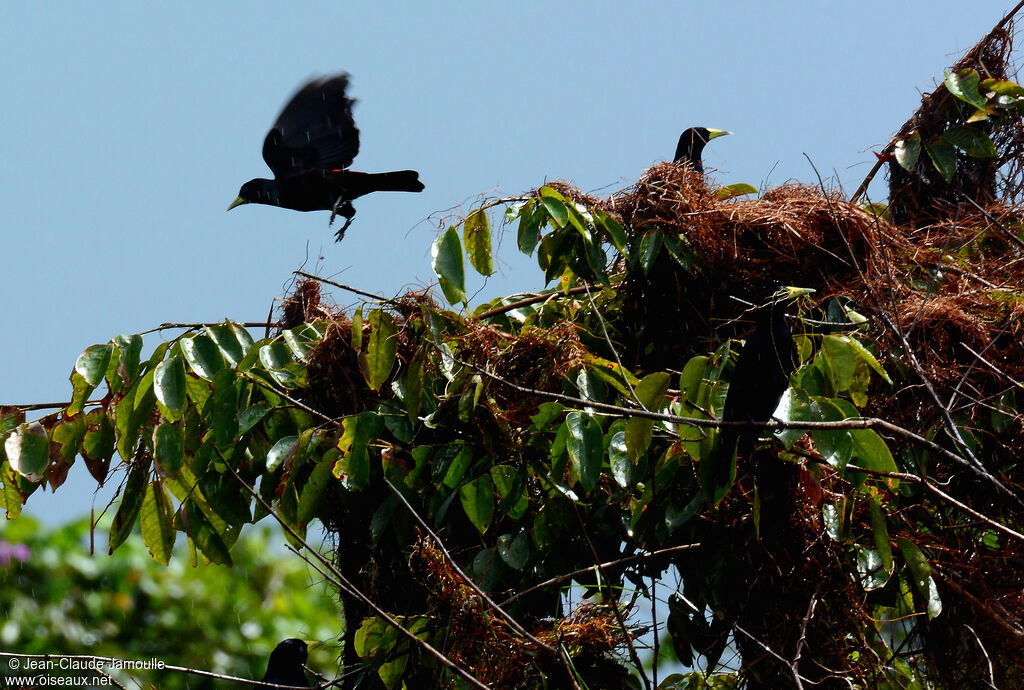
315,131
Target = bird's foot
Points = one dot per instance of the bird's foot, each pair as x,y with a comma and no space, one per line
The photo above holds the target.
343,208
338,236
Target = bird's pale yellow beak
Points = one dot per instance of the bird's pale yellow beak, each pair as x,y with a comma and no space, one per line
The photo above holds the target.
237,202
789,293
714,133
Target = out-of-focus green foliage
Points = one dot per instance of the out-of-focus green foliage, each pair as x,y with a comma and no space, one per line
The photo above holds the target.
56,598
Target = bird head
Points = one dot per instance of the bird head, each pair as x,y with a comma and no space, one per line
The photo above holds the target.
258,191
289,652
691,145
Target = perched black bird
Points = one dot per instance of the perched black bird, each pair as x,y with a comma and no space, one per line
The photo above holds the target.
759,379
691,145
285,665
309,150
661,310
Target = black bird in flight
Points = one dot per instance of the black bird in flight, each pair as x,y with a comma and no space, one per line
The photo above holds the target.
691,145
285,665
309,150
759,379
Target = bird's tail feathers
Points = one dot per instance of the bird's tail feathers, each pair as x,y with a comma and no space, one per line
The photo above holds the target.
395,181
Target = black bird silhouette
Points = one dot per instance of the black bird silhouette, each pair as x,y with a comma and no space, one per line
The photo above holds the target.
691,145
654,309
285,665
309,150
759,379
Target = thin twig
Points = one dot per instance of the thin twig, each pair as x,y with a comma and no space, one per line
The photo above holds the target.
361,293
794,665
991,673
54,405
941,494
992,366
559,579
205,324
995,221
533,299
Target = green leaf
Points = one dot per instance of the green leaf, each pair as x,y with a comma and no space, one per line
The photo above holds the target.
462,461
881,534
648,250
316,485
964,85
250,416
82,390
357,329
612,229
511,485
971,140
528,233
622,467
476,234
130,347
92,364
69,435
870,568
169,446
277,358
921,571
515,551
353,468
943,157
275,355
734,190
224,414
578,221
28,451
554,203
211,542
203,355
908,150
872,453
381,348
169,383
301,340
98,445
841,359
651,393
586,447
157,530
11,498
281,451
477,499
1002,87
226,339
449,267
131,503
868,358
835,445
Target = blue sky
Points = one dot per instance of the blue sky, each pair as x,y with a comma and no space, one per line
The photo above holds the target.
128,129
